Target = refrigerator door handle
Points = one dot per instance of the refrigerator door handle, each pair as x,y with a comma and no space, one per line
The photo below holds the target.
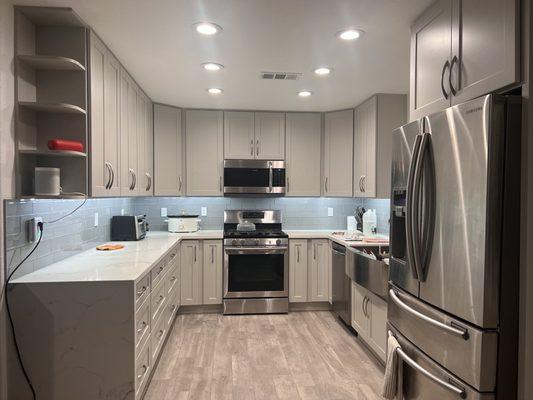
409,217
459,331
413,364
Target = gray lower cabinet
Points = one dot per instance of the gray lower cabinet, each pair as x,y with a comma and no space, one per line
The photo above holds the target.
374,121
204,152
369,319
303,144
201,272
309,276
462,49
338,154
168,165
212,272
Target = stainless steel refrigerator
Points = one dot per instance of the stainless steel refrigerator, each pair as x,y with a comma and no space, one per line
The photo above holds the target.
453,295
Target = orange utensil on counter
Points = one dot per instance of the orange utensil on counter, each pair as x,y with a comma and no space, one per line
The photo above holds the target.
108,247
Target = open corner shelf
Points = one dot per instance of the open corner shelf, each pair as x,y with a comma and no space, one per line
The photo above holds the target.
61,108
54,153
51,63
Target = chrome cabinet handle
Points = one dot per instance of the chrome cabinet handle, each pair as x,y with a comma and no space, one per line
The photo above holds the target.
363,306
257,147
148,181
140,292
173,307
112,175
134,179
363,181
212,254
160,333
412,363
172,255
314,251
160,270
288,184
131,174
454,61
161,297
144,368
445,66
252,147
108,183
360,186
462,332
326,184
297,253
180,183
173,279
366,306
143,326
195,253
220,183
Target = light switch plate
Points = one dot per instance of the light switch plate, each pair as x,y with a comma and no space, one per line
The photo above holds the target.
164,212
330,211
95,219
121,211
204,211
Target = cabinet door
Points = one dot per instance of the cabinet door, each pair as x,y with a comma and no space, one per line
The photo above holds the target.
212,279
111,121
377,335
484,47
431,43
133,139
364,179
142,138
149,148
239,140
191,273
330,274
270,136
319,263
168,180
298,271
204,152
360,321
100,172
128,161
302,143
338,154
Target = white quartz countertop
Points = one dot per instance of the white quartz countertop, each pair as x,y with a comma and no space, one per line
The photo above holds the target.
127,264
136,258
328,234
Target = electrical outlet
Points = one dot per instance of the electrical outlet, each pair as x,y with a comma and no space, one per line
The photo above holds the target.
204,211
330,211
95,219
33,229
164,212
121,211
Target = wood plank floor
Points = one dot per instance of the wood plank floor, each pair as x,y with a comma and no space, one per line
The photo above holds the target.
302,355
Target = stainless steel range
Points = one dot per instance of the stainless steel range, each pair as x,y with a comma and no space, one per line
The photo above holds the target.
256,263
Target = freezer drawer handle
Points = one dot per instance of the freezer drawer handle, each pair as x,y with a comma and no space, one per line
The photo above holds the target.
457,390
459,331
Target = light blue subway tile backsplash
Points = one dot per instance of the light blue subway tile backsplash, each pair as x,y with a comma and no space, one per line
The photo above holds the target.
77,233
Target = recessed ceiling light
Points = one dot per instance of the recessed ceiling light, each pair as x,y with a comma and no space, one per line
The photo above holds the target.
350,34
212,66
207,28
323,71
304,93
215,90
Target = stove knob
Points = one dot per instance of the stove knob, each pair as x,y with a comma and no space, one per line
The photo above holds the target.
256,242
234,242
278,242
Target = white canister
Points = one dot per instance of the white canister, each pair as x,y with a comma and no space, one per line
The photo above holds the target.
369,222
47,181
182,223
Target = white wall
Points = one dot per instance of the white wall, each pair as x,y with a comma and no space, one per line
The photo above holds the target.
6,154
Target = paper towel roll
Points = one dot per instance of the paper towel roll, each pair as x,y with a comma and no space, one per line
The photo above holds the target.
351,223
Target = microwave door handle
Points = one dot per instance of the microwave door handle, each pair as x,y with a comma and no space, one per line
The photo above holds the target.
270,176
409,217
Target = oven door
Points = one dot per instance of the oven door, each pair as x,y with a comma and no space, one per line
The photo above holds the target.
254,177
255,272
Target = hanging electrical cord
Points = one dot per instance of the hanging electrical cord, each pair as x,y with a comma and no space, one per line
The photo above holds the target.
40,225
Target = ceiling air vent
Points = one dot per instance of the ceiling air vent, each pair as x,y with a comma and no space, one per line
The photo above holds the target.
281,76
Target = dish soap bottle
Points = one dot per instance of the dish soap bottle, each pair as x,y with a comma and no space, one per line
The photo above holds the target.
369,222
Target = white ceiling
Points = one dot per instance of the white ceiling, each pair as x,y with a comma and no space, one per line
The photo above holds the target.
156,42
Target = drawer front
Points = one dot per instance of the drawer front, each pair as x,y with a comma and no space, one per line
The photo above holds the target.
143,366
171,281
142,324
171,308
471,357
157,338
158,271
158,300
142,290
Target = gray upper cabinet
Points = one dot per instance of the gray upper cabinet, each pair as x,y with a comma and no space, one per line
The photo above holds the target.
105,85
374,121
431,43
303,146
269,136
462,49
146,142
239,136
482,67
204,145
338,154
168,166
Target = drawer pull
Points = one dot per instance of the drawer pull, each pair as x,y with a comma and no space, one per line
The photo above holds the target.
173,279
144,369
160,269
143,327
160,333
161,297
140,292
172,255
173,307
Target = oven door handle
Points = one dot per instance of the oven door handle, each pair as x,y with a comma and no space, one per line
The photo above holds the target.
256,250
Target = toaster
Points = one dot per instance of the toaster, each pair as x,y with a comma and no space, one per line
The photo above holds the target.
128,227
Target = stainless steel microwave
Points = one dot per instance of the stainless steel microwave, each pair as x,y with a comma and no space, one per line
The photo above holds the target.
254,177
